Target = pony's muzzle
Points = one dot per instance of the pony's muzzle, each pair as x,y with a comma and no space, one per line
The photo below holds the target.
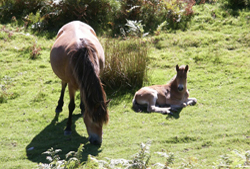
180,87
95,139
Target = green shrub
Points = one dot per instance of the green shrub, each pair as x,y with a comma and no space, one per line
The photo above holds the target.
97,13
102,15
44,14
152,13
18,8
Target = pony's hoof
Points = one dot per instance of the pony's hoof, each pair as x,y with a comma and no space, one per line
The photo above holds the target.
166,112
58,110
67,132
171,113
194,102
174,110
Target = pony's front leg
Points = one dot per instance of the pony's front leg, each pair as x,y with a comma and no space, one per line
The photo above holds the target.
162,110
71,106
191,101
60,101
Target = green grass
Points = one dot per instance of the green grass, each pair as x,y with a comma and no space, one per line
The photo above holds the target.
218,54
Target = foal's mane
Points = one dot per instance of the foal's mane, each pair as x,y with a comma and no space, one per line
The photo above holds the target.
86,69
172,80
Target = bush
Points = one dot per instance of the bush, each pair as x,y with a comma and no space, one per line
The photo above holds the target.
125,65
177,13
18,8
44,14
102,15
96,13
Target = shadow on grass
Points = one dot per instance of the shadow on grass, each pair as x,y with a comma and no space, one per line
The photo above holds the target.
118,95
175,115
53,136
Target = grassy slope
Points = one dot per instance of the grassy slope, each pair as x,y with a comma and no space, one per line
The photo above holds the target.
217,51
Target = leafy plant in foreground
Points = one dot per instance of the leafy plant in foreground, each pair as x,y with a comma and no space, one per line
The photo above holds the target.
235,159
73,159
142,158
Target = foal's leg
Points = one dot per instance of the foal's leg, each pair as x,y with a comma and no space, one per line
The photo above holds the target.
60,101
162,110
153,108
71,106
191,101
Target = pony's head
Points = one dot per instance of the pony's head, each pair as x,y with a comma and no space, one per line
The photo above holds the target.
181,77
94,121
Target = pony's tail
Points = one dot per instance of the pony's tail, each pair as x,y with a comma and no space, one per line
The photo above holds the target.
83,65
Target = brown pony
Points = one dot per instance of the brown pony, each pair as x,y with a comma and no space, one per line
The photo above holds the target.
77,58
165,98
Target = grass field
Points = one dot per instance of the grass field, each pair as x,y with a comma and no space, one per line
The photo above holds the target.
217,50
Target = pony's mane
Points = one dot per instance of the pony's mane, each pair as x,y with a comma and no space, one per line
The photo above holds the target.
172,80
86,69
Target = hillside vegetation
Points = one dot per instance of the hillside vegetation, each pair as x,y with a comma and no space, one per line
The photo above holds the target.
216,46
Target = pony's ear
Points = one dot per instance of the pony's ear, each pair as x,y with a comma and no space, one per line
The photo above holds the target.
177,68
107,102
186,68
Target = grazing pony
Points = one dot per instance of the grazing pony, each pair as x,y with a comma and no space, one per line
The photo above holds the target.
77,58
158,98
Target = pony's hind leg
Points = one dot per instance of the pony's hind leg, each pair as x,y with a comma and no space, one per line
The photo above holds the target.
60,101
71,107
152,105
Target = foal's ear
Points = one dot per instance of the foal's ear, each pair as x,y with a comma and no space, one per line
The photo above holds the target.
186,68
107,102
177,68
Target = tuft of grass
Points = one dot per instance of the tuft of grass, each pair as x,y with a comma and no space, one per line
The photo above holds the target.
126,63
35,51
40,96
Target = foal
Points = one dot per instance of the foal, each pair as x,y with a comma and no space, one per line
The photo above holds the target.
158,98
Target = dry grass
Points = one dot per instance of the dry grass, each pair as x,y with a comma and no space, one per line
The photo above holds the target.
126,63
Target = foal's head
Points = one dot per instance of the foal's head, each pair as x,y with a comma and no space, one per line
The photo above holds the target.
181,77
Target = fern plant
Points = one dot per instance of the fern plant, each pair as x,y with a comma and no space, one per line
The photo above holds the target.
73,159
135,28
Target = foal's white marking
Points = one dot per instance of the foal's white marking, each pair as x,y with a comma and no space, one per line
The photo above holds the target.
153,92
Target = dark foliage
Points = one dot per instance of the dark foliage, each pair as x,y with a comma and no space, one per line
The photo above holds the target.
236,4
102,15
51,16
